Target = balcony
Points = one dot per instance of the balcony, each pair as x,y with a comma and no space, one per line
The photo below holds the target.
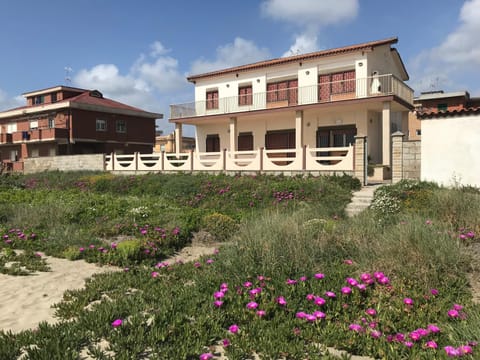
40,134
6,138
360,88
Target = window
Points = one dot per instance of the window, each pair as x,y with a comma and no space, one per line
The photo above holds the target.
51,122
54,97
121,126
335,83
212,99
101,125
442,107
34,153
39,99
11,128
245,95
418,132
213,143
34,124
283,91
336,136
245,141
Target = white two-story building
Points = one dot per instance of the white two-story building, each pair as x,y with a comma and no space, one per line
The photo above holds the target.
300,112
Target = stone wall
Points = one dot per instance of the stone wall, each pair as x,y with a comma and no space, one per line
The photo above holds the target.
406,158
94,162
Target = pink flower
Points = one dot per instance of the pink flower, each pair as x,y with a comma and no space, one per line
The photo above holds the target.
465,349
355,327
351,282
261,313
346,290
408,344
225,342
375,334
319,301
291,282
348,262
452,313
303,278
457,307
434,292
216,251
371,312
428,222
155,274
384,280
252,305
310,297
451,351
319,314
408,301
281,301
218,303
319,276
310,317
247,284
330,294
113,245
260,278
233,329
197,264
431,344
255,291
209,261
81,249
117,323
433,328
361,287
206,356
218,294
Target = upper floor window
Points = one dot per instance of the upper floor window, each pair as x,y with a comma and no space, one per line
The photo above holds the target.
51,122
53,97
245,95
101,125
34,124
11,128
39,99
121,126
212,99
283,91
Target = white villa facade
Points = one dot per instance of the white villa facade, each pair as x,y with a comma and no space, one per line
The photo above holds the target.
298,113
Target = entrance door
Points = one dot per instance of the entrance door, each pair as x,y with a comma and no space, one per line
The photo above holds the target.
281,139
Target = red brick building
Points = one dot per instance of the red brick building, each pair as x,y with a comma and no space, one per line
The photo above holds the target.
64,120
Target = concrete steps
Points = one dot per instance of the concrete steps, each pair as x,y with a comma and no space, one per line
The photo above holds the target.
361,200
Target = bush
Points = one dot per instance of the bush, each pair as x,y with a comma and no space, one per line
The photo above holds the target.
130,250
222,227
72,253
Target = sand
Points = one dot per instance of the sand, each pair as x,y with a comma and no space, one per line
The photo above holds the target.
25,301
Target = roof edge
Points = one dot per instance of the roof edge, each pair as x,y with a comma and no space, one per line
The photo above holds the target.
284,60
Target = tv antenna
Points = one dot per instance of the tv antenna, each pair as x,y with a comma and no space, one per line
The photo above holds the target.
68,71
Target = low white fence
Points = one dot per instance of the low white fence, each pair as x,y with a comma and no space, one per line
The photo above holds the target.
300,159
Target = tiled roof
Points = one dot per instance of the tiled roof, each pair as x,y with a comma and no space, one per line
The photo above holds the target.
358,47
448,113
85,98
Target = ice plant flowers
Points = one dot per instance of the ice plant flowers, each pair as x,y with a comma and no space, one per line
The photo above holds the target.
116,323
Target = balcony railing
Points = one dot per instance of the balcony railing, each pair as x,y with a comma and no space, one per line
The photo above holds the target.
40,134
380,85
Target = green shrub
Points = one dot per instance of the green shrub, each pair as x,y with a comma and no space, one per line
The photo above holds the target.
130,250
221,226
72,253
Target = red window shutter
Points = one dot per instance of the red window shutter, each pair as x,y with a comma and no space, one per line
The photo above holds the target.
324,87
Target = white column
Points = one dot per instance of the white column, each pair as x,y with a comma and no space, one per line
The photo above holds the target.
386,144
299,129
233,134
178,138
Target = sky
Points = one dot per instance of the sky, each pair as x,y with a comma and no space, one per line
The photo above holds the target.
140,52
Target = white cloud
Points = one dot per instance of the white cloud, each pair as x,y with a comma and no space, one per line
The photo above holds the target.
7,102
239,52
311,12
310,16
149,84
304,43
454,63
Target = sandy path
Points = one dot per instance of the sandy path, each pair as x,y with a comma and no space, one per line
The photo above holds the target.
25,301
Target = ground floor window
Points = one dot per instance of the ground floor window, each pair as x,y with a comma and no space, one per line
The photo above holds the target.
212,143
245,141
339,136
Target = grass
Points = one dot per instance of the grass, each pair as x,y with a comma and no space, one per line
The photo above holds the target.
290,250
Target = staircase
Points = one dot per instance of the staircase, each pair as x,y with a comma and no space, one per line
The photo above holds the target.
361,200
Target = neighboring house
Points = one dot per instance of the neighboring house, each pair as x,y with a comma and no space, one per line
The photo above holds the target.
166,143
64,120
434,102
300,112
450,145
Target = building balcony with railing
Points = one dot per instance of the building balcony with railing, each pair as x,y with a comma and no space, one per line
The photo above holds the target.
323,92
46,134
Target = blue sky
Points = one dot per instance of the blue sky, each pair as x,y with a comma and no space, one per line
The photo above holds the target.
139,52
